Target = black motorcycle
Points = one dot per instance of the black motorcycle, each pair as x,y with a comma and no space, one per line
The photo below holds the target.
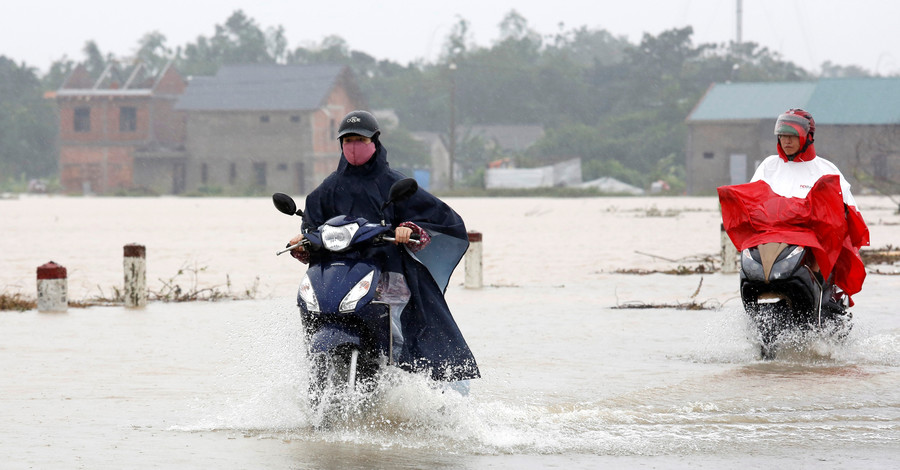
782,290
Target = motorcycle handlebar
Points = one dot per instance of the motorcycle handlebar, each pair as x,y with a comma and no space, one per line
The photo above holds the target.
305,243
414,239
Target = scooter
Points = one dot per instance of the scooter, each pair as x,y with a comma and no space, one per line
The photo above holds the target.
348,330
782,290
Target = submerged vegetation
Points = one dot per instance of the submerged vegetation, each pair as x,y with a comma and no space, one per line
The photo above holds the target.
16,301
692,304
183,286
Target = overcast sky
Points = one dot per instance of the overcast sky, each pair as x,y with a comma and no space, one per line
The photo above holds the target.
808,32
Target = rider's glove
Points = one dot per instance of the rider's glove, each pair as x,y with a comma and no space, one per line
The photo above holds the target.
301,255
424,238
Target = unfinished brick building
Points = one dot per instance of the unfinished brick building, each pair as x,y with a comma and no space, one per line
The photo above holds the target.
104,123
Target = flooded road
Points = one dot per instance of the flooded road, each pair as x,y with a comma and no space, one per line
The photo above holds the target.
568,380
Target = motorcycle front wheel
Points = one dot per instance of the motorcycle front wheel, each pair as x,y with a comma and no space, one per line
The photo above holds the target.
770,321
339,373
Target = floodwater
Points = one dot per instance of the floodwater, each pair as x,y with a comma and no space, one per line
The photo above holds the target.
569,381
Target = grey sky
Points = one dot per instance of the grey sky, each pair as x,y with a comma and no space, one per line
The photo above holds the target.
807,32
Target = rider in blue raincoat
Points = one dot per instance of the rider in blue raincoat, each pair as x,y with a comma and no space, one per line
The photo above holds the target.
415,276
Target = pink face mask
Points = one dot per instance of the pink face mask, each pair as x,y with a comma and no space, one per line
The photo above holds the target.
358,153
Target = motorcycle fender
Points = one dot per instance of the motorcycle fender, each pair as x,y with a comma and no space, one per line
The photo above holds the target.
329,337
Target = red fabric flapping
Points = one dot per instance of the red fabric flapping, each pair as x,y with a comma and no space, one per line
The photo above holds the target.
753,214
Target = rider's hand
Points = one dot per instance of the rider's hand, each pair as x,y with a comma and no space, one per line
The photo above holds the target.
295,241
402,234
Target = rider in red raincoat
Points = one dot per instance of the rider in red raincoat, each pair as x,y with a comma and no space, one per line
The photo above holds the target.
800,198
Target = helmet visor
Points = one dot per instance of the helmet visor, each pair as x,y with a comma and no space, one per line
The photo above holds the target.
792,124
356,130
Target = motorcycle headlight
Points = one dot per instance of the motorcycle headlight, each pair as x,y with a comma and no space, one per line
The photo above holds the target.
338,238
308,295
357,292
796,251
752,269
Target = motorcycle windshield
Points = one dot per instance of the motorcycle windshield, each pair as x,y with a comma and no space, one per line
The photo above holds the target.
441,257
753,214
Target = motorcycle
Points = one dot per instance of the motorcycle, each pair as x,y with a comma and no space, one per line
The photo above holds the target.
793,250
347,326
782,291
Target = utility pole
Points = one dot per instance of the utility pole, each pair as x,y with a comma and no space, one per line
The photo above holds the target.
739,18
452,144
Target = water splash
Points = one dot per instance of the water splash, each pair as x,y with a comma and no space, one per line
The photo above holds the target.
266,398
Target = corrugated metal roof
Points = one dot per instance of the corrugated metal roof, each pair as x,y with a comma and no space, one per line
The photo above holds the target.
831,101
261,88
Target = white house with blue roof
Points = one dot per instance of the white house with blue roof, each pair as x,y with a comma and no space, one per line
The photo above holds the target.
730,130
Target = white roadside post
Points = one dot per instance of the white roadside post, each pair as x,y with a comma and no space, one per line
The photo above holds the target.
731,260
135,263
52,288
473,262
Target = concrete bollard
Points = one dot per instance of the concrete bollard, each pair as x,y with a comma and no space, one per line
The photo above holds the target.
135,264
52,288
731,260
473,261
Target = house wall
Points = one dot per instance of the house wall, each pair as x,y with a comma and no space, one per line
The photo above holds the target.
104,119
161,173
710,146
100,160
168,125
291,152
249,142
861,151
95,169
326,121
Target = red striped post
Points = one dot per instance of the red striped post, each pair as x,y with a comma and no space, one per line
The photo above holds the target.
731,259
473,262
52,288
135,264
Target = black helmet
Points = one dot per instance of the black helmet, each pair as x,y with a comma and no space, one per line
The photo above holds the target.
360,123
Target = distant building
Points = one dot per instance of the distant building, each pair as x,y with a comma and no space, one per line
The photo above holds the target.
105,122
271,127
730,131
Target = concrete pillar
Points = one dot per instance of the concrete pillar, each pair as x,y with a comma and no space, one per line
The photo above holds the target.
731,259
473,262
135,264
52,288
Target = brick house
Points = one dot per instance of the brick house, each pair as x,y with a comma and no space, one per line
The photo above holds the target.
730,131
104,123
266,127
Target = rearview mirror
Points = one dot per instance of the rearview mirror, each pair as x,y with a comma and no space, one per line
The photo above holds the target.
403,190
285,204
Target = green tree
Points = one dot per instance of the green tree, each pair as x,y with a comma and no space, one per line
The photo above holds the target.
239,41
59,70
27,124
153,52
832,70
404,151
95,61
